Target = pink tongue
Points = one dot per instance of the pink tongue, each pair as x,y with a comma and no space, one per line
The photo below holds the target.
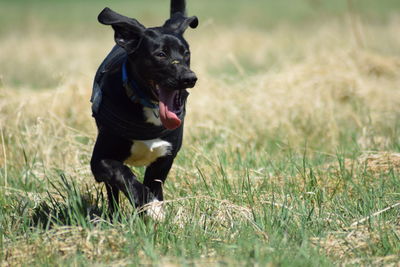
168,118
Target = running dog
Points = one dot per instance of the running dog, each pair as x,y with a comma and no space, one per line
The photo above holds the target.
138,102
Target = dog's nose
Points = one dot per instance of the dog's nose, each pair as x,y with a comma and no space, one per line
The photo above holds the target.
189,79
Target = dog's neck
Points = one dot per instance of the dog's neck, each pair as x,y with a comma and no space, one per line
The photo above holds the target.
133,74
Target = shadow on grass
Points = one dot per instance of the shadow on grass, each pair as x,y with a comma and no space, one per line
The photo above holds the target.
68,206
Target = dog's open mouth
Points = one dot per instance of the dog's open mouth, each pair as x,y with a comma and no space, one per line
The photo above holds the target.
170,104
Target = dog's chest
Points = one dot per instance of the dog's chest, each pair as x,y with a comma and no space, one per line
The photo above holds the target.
143,153
152,116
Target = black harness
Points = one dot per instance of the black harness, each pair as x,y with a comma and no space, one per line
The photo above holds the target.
119,112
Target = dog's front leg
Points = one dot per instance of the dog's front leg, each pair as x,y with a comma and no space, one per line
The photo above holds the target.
156,174
119,177
154,178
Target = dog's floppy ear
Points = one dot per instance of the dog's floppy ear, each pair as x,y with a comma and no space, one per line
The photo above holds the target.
179,23
128,32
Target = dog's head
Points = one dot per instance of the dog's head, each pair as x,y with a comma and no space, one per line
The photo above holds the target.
159,57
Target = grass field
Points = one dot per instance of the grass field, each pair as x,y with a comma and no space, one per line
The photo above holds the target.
291,154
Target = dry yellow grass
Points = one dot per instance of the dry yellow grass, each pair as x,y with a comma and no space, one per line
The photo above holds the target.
317,81
314,79
347,243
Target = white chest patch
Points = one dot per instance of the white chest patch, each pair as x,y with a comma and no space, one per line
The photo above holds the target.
152,116
143,153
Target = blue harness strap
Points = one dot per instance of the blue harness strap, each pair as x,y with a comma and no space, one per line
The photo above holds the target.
134,92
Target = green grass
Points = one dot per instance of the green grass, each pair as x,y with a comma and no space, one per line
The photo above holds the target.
240,218
291,138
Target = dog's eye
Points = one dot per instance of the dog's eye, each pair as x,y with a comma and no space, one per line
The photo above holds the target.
161,54
187,54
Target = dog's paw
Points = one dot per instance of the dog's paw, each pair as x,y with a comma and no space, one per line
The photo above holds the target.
155,210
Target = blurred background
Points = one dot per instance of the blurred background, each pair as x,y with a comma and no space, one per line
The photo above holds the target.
271,73
30,29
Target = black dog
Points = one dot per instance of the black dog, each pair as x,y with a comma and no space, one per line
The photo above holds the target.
138,102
